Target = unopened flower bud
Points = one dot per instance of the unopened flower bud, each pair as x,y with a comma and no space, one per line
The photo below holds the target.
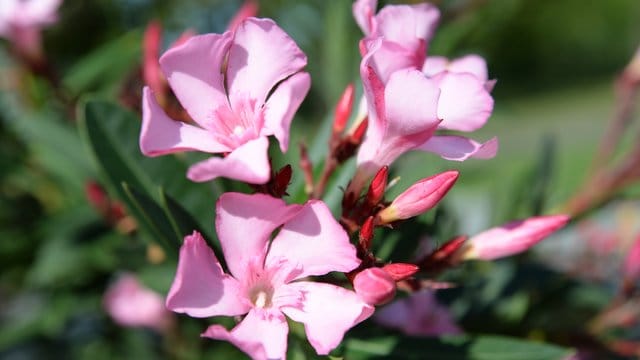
358,133
377,187
343,109
374,286
401,271
632,72
419,198
366,233
151,72
511,238
248,9
631,266
281,181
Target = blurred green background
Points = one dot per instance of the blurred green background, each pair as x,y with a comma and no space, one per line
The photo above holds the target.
554,60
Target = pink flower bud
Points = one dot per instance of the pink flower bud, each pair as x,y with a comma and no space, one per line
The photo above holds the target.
374,286
631,266
377,187
151,72
130,304
419,198
401,271
512,238
248,9
343,109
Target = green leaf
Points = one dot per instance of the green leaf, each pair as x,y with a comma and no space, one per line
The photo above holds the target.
155,220
452,348
112,135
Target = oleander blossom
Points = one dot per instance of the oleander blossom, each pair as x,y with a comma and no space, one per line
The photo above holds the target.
21,22
239,88
131,304
265,277
397,38
418,314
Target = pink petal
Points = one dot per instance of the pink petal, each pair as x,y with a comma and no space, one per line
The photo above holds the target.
201,288
418,314
391,57
315,241
434,65
40,12
412,26
473,64
261,334
193,70
465,104
363,12
410,104
248,163
261,56
512,238
244,224
327,312
283,104
459,148
162,135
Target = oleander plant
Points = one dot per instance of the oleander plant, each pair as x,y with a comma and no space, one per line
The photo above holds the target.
209,179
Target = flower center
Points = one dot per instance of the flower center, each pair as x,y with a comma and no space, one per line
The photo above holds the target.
235,125
261,296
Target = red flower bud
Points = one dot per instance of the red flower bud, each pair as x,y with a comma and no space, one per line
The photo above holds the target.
377,187
358,133
343,109
366,233
401,271
374,286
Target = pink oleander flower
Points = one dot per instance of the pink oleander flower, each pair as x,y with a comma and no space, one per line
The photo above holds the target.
130,304
419,197
402,116
418,314
266,277
374,286
239,88
512,238
22,20
400,35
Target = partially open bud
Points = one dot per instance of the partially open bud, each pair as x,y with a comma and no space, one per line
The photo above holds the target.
377,187
419,198
512,238
343,109
374,286
401,271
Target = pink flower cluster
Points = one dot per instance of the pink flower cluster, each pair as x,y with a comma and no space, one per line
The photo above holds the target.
245,85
